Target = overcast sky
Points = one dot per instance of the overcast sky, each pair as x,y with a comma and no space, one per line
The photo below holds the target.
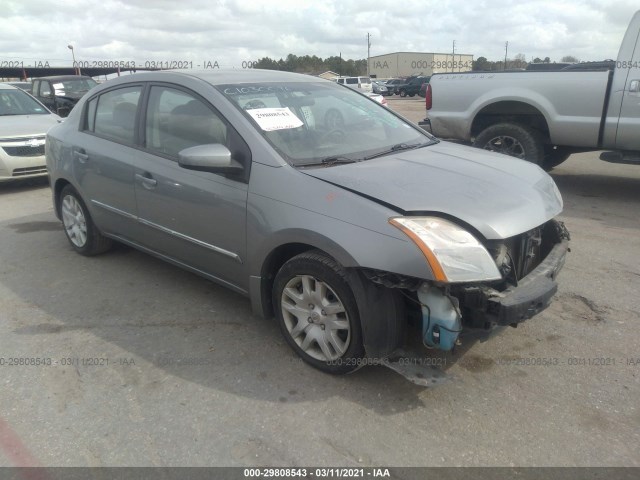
234,31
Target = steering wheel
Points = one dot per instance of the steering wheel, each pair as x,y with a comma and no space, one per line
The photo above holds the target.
250,105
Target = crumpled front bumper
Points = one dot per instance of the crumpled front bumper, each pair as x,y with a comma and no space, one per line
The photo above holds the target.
518,303
533,293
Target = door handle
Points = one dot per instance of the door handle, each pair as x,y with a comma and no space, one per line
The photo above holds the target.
634,86
81,155
146,180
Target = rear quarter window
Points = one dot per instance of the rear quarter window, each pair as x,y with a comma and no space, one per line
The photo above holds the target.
112,114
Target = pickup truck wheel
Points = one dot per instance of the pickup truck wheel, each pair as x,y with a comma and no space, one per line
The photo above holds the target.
318,314
81,232
403,93
512,139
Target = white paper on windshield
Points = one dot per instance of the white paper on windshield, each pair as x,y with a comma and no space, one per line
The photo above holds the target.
271,119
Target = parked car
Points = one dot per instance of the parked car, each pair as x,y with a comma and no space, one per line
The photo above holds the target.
362,83
23,124
411,86
343,231
378,98
379,87
392,84
59,94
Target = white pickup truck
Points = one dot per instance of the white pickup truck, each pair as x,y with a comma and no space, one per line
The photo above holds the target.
544,116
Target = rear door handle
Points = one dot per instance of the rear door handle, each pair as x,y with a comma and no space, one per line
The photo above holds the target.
81,155
634,86
146,180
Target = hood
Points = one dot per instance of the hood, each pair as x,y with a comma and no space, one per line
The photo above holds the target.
13,126
500,196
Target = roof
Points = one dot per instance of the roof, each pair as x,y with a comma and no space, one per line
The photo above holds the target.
62,78
6,86
222,77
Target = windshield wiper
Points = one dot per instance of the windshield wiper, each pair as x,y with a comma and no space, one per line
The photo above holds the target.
332,160
397,148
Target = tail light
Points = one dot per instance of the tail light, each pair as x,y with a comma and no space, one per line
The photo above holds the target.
428,97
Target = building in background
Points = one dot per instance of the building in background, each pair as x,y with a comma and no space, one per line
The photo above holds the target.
404,64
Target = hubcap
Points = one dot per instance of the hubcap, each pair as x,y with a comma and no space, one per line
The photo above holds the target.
507,145
74,221
315,318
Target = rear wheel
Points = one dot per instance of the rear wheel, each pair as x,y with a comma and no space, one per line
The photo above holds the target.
318,314
403,93
81,232
514,140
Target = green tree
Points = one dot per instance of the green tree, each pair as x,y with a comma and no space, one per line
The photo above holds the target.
481,63
569,59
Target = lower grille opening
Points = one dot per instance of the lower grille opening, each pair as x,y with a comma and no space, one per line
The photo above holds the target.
21,172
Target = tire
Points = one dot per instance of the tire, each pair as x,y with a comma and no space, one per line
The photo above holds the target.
412,95
79,228
514,140
318,313
555,158
402,93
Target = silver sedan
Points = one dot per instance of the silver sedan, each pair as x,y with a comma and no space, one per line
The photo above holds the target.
329,211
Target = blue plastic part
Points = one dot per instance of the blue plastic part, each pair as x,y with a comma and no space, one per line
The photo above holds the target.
440,318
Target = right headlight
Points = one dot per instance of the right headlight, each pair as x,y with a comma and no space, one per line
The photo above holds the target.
453,254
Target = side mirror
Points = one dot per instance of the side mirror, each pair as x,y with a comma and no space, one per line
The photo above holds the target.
213,157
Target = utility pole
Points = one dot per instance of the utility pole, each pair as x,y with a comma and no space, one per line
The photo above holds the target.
453,55
506,49
368,54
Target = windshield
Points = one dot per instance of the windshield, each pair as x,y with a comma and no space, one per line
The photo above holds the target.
312,122
66,87
17,102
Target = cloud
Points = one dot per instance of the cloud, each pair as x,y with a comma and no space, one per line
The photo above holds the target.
233,31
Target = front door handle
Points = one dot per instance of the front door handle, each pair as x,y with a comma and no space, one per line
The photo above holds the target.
146,180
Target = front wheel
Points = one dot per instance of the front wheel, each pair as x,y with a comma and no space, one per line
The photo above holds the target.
514,140
403,93
81,232
318,314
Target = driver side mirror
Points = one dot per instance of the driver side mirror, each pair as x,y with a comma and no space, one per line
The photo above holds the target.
213,157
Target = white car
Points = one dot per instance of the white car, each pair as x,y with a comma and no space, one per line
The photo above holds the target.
362,83
24,121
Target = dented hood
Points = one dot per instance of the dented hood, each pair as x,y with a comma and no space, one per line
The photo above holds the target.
500,196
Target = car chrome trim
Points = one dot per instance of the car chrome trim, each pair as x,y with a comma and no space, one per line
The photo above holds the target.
182,236
114,210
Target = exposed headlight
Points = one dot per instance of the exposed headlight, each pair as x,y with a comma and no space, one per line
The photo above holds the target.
453,254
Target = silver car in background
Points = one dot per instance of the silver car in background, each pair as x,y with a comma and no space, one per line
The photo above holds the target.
23,124
329,211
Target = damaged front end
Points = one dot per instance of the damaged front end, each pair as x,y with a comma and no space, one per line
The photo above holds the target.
528,265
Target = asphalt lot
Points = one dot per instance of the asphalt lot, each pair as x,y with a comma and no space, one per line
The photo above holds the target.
153,366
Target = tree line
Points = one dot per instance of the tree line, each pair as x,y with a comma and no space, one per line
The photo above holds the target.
519,61
316,65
